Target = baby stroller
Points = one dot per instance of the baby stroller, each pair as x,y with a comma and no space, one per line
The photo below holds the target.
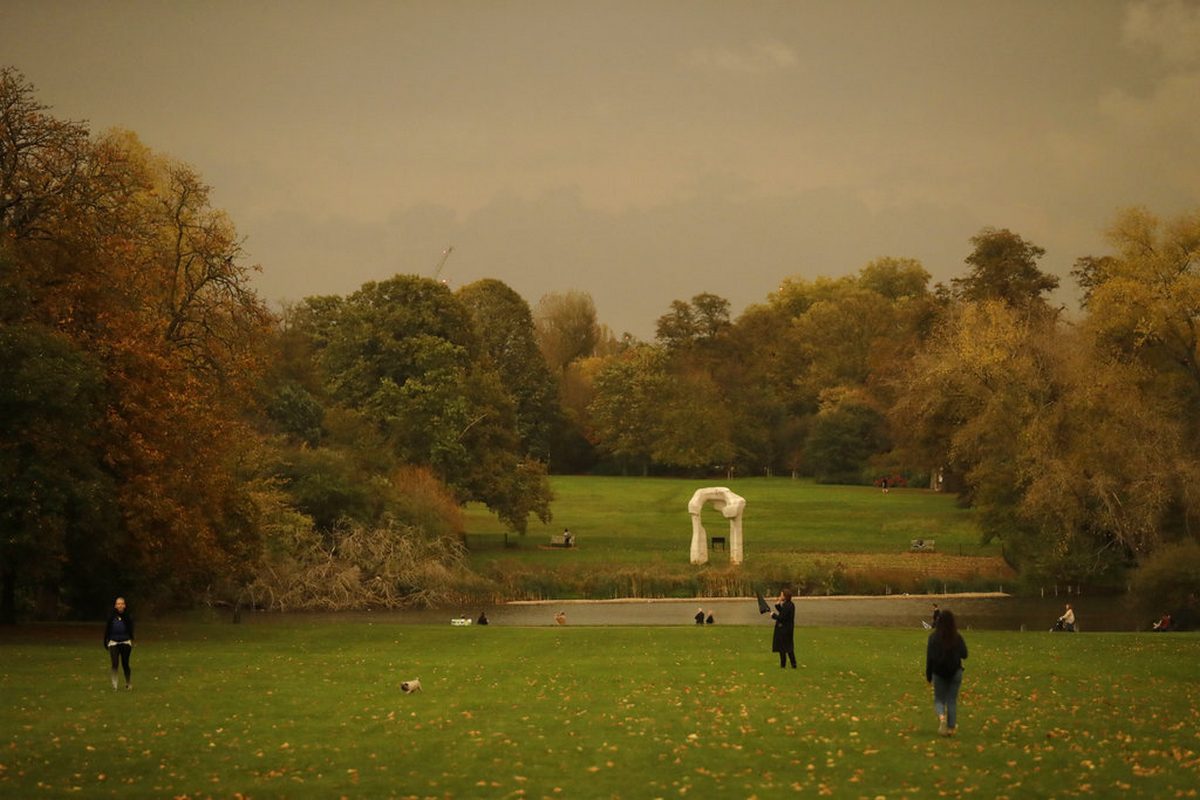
1062,627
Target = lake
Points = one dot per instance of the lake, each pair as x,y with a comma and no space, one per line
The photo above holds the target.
973,611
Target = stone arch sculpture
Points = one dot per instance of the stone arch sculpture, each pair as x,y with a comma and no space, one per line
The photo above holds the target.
731,507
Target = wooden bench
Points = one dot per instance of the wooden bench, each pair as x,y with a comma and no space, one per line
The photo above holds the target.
921,546
717,540
557,541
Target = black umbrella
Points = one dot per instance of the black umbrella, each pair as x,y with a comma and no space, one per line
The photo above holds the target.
763,608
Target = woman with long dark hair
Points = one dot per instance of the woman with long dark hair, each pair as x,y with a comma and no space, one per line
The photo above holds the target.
783,639
118,640
944,654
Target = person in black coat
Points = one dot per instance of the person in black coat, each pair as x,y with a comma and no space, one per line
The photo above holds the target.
944,654
118,640
783,641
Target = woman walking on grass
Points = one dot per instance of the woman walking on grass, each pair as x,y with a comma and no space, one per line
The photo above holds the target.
118,640
944,654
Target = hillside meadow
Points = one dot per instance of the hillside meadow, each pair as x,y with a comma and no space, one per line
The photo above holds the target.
294,709
634,536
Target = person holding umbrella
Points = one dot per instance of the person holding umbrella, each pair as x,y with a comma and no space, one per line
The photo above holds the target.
783,640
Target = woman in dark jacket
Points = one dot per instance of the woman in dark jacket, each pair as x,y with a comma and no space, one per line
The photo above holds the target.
118,640
944,654
783,640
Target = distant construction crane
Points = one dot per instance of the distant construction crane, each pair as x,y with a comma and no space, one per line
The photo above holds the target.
437,272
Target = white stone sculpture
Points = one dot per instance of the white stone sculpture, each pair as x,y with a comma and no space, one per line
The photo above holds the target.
731,507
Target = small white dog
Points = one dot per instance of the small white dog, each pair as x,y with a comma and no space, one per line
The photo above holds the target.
408,687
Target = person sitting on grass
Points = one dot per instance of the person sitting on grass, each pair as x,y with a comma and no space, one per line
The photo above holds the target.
1163,624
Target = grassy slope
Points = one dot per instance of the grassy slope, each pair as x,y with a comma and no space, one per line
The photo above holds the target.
640,518
313,711
640,523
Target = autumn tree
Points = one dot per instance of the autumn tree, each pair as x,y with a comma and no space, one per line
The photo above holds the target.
566,328
1067,457
1004,267
1144,300
693,323
118,251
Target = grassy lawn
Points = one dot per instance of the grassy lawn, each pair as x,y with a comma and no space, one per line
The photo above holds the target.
291,710
643,523
639,518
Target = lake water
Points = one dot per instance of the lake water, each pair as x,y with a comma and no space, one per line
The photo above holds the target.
973,611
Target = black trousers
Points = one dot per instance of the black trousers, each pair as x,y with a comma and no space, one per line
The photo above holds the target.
121,652
785,655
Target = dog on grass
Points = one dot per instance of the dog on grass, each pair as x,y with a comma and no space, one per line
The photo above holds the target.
408,687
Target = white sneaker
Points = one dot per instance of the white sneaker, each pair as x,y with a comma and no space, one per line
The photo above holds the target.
942,729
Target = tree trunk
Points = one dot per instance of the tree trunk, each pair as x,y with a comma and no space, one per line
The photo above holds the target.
8,596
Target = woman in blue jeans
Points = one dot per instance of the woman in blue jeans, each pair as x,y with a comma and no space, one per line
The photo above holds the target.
944,654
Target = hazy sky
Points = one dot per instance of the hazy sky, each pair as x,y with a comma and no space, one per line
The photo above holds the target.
640,151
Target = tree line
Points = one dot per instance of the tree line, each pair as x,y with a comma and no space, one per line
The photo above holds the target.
162,431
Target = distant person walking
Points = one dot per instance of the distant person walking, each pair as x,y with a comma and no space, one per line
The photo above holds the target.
884,484
118,640
783,641
944,654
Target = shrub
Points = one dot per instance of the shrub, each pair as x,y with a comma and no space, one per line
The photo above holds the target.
1169,580
424,502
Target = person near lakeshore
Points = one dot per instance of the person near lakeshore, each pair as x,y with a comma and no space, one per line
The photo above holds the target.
699,617
561,618
937,612
1067,620
483,620
709,620
944,654
118,640
783,641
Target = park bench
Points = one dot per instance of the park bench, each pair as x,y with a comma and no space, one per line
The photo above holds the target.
921,546
557,541
717,540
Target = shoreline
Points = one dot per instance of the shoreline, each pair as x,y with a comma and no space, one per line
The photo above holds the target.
805,598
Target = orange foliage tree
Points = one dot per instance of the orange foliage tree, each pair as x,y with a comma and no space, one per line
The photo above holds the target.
118,251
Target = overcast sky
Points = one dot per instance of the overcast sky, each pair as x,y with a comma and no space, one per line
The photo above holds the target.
639,151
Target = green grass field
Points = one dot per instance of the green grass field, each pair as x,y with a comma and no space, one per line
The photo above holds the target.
634,536
636,519
314,711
